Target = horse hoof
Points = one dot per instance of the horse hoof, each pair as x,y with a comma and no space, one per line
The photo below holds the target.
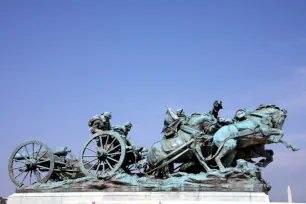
260,164
295,149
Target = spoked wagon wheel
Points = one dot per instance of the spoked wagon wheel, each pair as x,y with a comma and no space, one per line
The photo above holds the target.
31,162
103,153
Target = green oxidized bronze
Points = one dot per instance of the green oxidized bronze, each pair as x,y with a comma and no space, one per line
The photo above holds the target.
200,150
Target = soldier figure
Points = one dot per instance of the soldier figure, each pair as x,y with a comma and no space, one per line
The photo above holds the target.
181,114
240,115
216,108
124,130
215,112
100,122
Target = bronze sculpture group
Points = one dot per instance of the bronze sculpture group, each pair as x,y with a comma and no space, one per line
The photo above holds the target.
200,142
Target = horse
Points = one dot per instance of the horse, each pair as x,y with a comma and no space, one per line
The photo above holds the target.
261,126
185,130
255,151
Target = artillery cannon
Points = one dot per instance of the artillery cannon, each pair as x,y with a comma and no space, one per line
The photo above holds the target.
107,152
34,162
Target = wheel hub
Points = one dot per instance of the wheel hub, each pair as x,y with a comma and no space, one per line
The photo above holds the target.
102,155
31,164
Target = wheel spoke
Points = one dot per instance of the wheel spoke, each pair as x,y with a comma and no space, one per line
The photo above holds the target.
25,146
98,168
17,167
91,161
93,166
111,144
24,178
90,150
113,159
37,173
38,151
101,143
18,160
114,148
42,155
31,177
43,167
89,156
43,161
110,166
103,167
113,154
106,142
20,173
23,156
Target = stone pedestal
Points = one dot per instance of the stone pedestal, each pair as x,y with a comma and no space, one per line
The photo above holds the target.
138,198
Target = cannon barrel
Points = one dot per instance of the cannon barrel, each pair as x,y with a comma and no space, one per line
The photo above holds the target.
59,151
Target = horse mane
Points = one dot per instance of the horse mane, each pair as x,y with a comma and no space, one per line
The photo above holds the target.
194,114
261,107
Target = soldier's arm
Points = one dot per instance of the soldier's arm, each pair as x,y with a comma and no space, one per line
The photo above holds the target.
189,130
97,124
225,121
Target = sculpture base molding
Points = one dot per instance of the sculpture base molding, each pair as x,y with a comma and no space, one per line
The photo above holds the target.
137,197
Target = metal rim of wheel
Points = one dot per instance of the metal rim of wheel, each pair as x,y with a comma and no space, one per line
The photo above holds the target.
33,162
97,159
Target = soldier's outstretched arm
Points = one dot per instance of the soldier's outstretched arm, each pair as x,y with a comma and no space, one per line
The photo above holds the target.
189,129
226,121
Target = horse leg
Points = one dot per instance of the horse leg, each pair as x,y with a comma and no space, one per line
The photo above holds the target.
275,135
200,157
228,147
228,159
288,145
268,154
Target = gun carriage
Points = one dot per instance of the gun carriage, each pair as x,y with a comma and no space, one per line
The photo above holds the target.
34,162
107,152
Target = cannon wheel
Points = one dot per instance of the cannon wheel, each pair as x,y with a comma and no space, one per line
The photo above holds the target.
103,153
35,163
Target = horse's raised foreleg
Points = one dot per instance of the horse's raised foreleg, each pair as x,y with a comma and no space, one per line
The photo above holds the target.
275,135
288,145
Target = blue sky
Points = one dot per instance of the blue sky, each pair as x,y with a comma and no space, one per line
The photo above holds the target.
62,62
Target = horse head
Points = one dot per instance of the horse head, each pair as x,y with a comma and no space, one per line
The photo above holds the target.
277,115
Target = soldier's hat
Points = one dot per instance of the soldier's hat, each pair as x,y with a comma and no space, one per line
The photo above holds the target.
128,124
107,115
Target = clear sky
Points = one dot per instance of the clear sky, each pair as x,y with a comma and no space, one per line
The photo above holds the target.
61,62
